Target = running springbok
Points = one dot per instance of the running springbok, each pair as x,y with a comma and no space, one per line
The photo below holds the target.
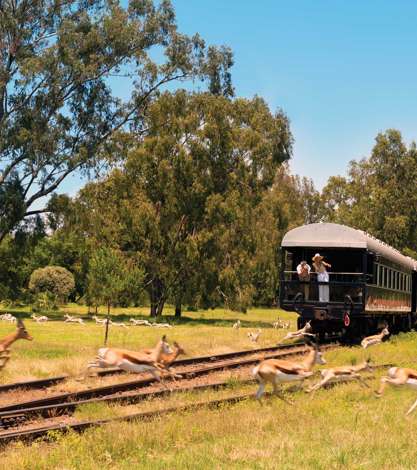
147,360
305,331
375,339
5,343
139,322
70,319
43,318
342,373
278,371
254,336
400,376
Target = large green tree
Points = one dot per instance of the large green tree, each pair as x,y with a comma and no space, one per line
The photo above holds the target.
185,199
379,195
58,64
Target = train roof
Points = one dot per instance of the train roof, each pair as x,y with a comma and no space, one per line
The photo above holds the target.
327,235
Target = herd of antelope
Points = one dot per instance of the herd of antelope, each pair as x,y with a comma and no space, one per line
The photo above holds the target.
157,362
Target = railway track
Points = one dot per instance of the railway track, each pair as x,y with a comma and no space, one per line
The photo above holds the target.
21,413
43,383
79,426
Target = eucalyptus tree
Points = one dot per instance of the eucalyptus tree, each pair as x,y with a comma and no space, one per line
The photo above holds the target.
379,194
184,201
59,64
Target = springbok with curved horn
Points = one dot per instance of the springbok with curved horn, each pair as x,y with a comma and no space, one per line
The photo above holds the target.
277,371
374,339
400,376
147,360
5,343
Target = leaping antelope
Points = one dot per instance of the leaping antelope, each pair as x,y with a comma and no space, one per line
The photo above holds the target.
400,376
40,319
133,361
281,324
278,371
161,325
236,325
8,317
70,319
5,343
375,339
305,331
139,322
342,373
99,321
254,336
114,323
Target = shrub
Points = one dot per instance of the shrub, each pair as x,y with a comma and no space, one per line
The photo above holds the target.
54,280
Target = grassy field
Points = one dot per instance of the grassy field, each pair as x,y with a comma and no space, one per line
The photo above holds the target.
343,427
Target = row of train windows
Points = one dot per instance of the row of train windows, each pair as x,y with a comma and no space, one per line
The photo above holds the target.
392,279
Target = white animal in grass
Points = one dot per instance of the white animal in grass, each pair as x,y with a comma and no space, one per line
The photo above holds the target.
136,322
236,325
99,321
277,371
40,319
305,331
400,377
121,324
9,317
281,324
70,319
161,325
375,339
254,336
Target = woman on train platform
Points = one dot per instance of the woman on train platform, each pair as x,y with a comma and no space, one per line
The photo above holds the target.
322,276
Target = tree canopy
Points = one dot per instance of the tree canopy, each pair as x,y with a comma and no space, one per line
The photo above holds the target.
58,61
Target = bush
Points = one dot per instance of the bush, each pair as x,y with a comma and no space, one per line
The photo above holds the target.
54,280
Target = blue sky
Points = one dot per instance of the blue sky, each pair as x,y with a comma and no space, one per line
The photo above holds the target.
342,71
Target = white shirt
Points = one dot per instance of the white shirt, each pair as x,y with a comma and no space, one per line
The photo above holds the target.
301,270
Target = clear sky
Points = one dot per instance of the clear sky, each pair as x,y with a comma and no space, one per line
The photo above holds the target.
342,71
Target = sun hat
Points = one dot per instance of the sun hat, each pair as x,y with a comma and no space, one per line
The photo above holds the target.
317,256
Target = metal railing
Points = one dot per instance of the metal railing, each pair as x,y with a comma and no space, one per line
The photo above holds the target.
332,291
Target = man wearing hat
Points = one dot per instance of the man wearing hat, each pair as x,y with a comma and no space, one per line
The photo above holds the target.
322,276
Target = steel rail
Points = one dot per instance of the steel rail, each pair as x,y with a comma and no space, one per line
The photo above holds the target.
44,431
13,418
142,382
42,383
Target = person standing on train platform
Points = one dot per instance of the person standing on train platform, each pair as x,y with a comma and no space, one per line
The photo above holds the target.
322,276
303,271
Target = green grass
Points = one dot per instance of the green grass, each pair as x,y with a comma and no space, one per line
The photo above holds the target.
60,347
344,427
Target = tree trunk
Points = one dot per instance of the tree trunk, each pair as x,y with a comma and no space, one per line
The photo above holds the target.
157,300
161,304
178,309
107,324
